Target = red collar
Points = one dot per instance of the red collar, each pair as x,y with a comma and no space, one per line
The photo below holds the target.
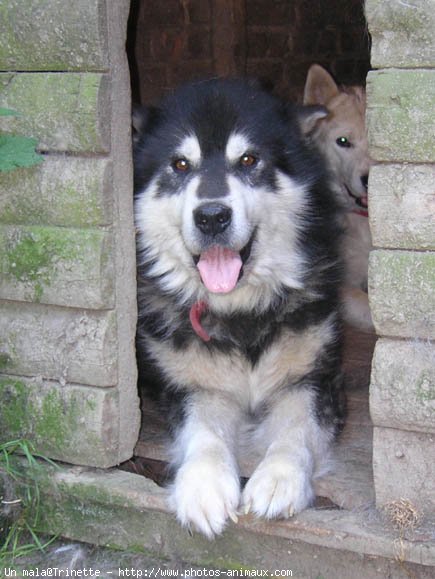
361,212
195,314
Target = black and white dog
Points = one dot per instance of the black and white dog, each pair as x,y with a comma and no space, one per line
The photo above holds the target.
238,273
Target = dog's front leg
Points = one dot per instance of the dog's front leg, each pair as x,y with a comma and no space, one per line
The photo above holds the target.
206,489
291,441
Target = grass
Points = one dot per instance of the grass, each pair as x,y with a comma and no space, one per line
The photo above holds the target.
20,475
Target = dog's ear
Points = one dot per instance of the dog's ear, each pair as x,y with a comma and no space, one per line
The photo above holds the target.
143,119
320,87
309,116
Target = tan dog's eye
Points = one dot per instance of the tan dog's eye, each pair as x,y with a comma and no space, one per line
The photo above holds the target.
343,142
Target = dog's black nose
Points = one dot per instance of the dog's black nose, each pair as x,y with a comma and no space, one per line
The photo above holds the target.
365,181
212,218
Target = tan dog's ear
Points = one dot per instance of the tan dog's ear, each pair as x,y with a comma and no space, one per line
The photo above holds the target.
320,87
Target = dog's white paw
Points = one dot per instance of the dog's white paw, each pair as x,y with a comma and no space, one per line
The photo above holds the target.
204,495
278,488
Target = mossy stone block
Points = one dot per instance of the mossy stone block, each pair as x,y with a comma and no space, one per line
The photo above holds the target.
401,33
65,112
400,118
71,423
57,265
402,293
53,35
402,386
402,206
65,191
62,344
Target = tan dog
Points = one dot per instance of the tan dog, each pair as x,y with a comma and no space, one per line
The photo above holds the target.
340,134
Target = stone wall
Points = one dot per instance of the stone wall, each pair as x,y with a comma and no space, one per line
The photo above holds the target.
67,257
401,125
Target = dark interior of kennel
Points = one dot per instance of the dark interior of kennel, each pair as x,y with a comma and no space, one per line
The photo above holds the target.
175,41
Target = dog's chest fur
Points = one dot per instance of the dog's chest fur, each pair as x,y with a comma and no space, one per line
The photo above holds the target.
290,356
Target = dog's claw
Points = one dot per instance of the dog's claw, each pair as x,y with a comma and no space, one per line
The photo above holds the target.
233,516
291,511
247,507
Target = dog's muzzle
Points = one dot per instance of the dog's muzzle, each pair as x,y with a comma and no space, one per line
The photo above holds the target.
219,261
212,218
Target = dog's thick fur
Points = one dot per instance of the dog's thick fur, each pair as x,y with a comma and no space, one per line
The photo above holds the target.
238,267
340,134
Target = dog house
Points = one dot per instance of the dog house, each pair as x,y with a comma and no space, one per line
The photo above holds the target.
68,374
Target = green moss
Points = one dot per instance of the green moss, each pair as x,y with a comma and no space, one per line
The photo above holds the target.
31,257
426,388
54,421
14,415
47,417
71,515
56,424
5,361
8,352
28,257
96,494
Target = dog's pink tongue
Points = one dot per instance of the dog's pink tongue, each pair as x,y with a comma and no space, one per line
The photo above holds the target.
219,268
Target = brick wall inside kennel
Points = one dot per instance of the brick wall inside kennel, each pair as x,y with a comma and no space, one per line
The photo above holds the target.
68,312
276,40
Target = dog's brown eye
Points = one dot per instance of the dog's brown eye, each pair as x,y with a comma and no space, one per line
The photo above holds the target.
248,160
181,165
343,142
